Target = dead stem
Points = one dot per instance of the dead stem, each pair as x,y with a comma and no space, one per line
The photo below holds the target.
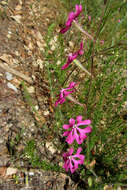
17,73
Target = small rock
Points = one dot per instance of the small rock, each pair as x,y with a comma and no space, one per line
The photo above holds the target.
9,32
71,44
40,45
53,47
36,107
55,38
8,36
10,85
46,113
11,171
31,89
40,63
50,147
18,7
58,62
8,76
31,173
17,18
61,164
3,2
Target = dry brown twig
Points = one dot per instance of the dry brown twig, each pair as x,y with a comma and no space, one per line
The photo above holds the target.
15,72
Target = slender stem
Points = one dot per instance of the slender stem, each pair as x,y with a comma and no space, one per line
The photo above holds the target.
67,78
93,173
120,184
82,30
81,67
74,100
88,155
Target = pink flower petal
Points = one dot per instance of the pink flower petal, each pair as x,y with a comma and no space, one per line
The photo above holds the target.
79,118
87,129
79,150
63,30
71,121
65,155
68,23
71,150
65,66
71,15
66,93
72,168
78,10
76,162
66,126
66,133
84,122
70,138
77,137
82,134
84,131
72,85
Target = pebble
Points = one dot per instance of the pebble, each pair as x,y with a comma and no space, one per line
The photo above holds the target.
71,44
40,63
50,147
10,85
46,113
8,76
31,173
36,107
58,62
53,47
31,89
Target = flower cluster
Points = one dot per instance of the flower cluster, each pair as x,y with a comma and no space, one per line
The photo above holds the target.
72,161
73,56
64,93
75,130
72,16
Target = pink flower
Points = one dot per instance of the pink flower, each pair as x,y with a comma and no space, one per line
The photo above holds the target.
74,132
71,161
73,56
72,16
64,92
89,18
119,21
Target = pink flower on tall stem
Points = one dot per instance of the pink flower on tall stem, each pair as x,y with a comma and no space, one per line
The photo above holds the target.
74,132
65,92
72,161
73,56
72,16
